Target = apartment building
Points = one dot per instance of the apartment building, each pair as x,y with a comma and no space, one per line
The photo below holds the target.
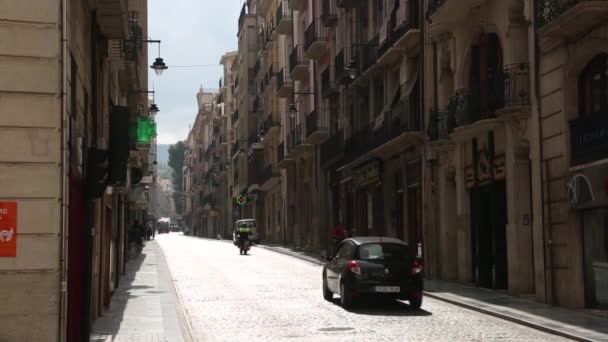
572,84
226,102
247,153
480,165
198,162
75,80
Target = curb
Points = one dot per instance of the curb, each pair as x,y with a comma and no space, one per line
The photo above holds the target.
457,303
295,255
509,318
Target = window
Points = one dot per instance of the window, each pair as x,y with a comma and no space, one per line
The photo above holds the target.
346,251
383,251
593,87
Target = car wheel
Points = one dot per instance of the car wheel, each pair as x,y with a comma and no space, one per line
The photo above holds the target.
327,294
415,303
346,297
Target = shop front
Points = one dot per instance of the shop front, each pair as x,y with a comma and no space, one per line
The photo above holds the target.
587,191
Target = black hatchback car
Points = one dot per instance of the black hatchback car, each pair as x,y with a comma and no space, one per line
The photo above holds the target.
376,266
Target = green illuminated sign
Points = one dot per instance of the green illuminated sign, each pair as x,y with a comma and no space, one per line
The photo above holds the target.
145,130
242,200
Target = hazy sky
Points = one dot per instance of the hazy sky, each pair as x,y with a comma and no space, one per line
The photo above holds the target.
193,32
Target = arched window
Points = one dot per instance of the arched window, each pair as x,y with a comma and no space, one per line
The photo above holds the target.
593,87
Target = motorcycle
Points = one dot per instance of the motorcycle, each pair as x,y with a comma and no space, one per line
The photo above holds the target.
244,244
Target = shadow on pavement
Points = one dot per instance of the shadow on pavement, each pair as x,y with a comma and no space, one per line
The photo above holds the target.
383,307
109,324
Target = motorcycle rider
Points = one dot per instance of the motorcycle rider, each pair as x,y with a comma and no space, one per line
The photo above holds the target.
243,233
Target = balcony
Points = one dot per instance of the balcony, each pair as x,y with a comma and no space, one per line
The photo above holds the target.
328,87
296,5
284,161
400,33
235,148
269,125
258,64
270,177
298,64
340,74
566,19
242,16
391,129
226,138
267,36
315,39
113,19
445,14
364,56
284,19
284,84
270,79
332,149
350,3
294,141
317,126
257,104
329,13
515,80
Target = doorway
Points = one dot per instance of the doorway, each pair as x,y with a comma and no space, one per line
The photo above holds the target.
489,235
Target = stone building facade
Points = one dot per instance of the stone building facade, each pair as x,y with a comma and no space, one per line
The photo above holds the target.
75,79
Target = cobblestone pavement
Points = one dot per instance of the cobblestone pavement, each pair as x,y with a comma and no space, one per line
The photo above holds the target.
267,296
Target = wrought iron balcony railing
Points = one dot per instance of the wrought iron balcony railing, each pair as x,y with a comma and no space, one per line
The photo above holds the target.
516,83
433,6
548,10
242,16
440,124
329,12
284,17
317,121
339,70
350,3
281,152
332,148
328,87
315,37
235,148
403,18
365,55
296,58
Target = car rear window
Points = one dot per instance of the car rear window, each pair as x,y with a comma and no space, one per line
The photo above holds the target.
246,224
384,252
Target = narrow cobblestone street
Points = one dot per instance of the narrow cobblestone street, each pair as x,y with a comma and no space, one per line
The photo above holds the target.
270,296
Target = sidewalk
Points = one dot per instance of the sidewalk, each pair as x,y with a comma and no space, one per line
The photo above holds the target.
574,324
145,306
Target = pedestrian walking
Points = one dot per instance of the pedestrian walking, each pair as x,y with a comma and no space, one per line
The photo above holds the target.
337,235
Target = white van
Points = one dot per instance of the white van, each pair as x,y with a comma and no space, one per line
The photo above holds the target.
246,223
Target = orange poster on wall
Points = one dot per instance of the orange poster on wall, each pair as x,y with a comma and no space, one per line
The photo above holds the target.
8,229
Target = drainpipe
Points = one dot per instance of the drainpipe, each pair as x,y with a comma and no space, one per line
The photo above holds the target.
65,120
90,202
547,255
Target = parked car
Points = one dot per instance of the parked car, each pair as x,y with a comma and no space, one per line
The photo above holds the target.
373,266
247,223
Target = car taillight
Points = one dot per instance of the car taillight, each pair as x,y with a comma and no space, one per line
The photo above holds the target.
416,267
354,267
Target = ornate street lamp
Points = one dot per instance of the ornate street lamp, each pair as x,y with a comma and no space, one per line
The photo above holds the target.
159,66
154,109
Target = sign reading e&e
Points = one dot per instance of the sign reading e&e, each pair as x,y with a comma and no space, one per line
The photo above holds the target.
8,229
